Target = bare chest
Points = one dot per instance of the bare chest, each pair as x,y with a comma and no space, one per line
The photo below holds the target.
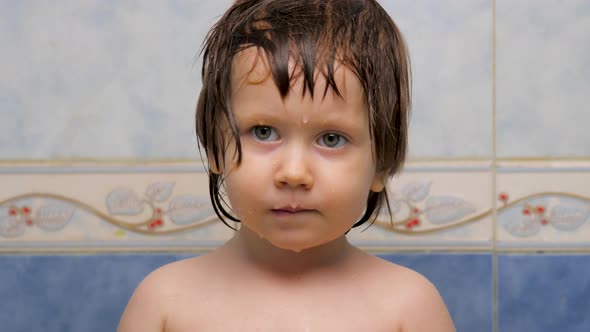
283,312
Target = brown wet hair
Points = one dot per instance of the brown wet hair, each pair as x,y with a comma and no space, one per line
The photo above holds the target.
318,35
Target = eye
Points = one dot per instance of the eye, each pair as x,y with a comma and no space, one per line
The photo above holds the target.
264,133
332,140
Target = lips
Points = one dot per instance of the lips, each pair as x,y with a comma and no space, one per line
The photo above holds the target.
287,210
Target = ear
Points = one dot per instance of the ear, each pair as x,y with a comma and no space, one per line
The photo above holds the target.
378,183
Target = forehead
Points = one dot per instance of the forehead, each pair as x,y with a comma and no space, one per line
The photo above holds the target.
250,68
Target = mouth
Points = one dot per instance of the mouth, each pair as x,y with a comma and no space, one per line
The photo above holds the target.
289,210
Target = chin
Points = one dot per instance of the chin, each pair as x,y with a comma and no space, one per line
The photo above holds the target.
294,246
297,244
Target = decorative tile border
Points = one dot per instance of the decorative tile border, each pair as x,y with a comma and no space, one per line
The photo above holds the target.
166,207
107,209
435,205
543,205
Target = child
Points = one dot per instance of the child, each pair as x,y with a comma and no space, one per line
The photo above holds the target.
303,116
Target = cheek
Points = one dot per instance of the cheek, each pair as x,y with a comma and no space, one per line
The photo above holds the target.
346,191
241,182
237,197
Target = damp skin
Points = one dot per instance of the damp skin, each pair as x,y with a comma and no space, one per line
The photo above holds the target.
309,155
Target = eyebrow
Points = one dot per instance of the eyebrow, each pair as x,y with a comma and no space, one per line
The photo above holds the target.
319,120
260,116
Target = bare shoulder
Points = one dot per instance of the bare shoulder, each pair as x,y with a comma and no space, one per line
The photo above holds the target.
417,300
153,299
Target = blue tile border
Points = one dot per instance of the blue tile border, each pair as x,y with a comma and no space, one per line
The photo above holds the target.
70,293
89,292
536,292
464,282
544,293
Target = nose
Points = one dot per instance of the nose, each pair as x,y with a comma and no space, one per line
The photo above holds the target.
293,169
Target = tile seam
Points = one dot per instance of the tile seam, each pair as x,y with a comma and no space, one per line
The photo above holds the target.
494,166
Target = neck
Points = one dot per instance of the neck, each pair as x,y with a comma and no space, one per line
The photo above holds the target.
265,257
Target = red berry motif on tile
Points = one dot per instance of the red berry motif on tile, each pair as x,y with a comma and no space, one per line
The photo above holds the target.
29,222
12,212
526,211
503,197
540,209
544,222
26,210
155,223
413,223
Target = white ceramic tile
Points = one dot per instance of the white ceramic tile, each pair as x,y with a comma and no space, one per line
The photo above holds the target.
95,79
450,46
119,80
434,206
544,206
543,78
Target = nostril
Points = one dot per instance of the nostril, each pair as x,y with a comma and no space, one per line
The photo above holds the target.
301,179
293,168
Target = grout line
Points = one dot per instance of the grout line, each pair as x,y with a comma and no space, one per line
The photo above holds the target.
544,251
376,251
494,166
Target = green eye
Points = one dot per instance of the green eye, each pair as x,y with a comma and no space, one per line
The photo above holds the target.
264,133
332,140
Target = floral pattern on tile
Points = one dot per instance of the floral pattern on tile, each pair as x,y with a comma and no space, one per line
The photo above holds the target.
166,209
435,206
113,209
542,205
126,211
414,211
526,216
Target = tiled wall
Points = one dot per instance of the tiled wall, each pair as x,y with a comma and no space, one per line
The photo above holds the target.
98,158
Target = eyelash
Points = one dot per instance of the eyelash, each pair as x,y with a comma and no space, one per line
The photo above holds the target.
341,139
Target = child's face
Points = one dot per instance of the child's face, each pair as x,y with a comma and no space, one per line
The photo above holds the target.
307,165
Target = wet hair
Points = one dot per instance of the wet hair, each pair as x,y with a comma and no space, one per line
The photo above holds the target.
316,34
